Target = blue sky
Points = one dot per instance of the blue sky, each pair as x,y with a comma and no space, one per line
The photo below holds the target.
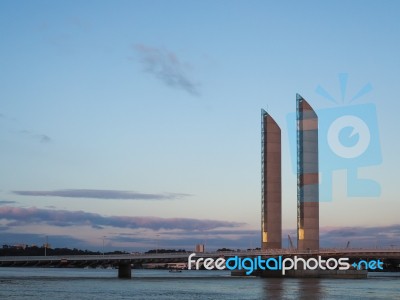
140,121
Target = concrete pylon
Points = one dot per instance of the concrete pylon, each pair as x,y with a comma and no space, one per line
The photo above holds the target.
307,176
271,177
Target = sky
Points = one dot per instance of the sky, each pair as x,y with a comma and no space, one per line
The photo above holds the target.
137,123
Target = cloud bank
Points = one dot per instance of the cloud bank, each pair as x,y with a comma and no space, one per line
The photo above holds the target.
378,236
18,216
167,67
125,232
5,202
359,237
102,194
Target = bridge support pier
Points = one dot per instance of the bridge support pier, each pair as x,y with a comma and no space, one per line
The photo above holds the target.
124,270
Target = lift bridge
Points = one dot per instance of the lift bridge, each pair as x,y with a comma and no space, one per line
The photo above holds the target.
124,262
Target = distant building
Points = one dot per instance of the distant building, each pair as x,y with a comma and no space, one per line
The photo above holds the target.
22,246
271,183
307,177
199,248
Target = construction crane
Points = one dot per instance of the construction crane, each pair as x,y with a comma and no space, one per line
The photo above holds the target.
290,241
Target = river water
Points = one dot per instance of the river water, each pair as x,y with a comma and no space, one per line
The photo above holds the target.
55,283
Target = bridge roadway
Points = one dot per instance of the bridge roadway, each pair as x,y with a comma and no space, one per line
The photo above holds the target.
124,261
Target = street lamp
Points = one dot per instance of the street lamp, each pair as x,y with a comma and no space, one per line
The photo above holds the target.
45,246
103,243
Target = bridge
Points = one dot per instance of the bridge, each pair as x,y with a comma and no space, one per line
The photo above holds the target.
124,262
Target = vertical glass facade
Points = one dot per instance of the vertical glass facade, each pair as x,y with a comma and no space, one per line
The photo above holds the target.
271,183
307,176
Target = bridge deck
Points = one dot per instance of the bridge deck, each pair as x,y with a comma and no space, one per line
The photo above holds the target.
175,257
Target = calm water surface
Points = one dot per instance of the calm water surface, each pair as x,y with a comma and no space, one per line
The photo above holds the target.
53,283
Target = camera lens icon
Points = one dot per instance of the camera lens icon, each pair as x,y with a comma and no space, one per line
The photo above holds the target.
357,130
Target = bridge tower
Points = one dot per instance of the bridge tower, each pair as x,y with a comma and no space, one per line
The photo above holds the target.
307,176
271,183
